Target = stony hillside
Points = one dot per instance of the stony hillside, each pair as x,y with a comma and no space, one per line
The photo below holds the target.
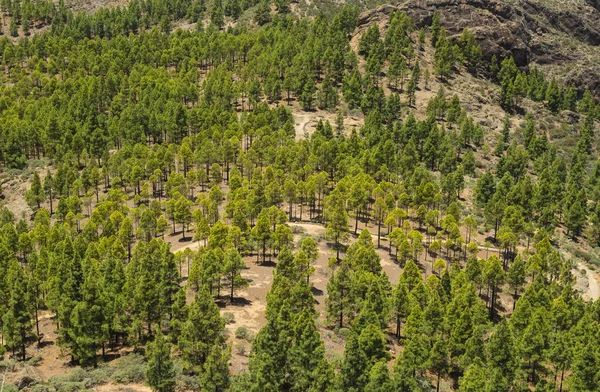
561,37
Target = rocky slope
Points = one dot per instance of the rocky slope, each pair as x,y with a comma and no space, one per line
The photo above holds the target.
560,36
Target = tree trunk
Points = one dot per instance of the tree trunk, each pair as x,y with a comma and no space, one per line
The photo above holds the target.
232,284
562,375
37,325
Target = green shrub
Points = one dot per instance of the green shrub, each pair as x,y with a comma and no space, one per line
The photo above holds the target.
41,388
69,386
297,229
102,374
241,333
244,333
35,360
8,366
228,317
188,383
241,349
129,369
344,332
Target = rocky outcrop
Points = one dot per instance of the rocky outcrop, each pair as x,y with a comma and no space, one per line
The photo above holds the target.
528,30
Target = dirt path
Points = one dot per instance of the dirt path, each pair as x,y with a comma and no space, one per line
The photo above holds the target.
593,290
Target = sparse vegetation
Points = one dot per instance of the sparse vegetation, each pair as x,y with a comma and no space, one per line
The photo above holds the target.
427,224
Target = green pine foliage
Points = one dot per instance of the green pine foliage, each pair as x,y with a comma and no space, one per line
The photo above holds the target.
152,131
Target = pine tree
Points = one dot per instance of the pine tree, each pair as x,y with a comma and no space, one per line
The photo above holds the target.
338,299
262,15
160,371
435,28
379,379
354,372
444,56
306,353
17,321
35,196
516,277
401,305
233,266
48,189
413,84
215,376
336,219
203,329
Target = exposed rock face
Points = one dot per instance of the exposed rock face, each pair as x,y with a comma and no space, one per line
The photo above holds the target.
526,29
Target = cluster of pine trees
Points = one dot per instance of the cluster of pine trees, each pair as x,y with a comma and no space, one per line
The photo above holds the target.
146,138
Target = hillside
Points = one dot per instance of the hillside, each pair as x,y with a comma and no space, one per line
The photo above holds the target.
561,37
295,196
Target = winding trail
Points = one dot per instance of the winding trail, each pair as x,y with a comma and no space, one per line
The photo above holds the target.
593,291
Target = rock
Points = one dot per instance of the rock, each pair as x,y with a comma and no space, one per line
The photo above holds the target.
570,117
25,382
524,29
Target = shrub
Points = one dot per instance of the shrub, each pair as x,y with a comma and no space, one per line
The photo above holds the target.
188,383
228,317
240,349
129,369
41,388
297,229
344,332
8,366
101,375
35,360
241,333
68,386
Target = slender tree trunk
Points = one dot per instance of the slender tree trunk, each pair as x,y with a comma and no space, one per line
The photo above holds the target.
562,375
342,310
232,284
37,325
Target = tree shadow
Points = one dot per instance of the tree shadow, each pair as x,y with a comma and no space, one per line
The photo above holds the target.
316,291
45,343
268,263
108,357
237,301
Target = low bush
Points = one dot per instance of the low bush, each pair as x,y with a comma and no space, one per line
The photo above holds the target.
129,369
241,333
